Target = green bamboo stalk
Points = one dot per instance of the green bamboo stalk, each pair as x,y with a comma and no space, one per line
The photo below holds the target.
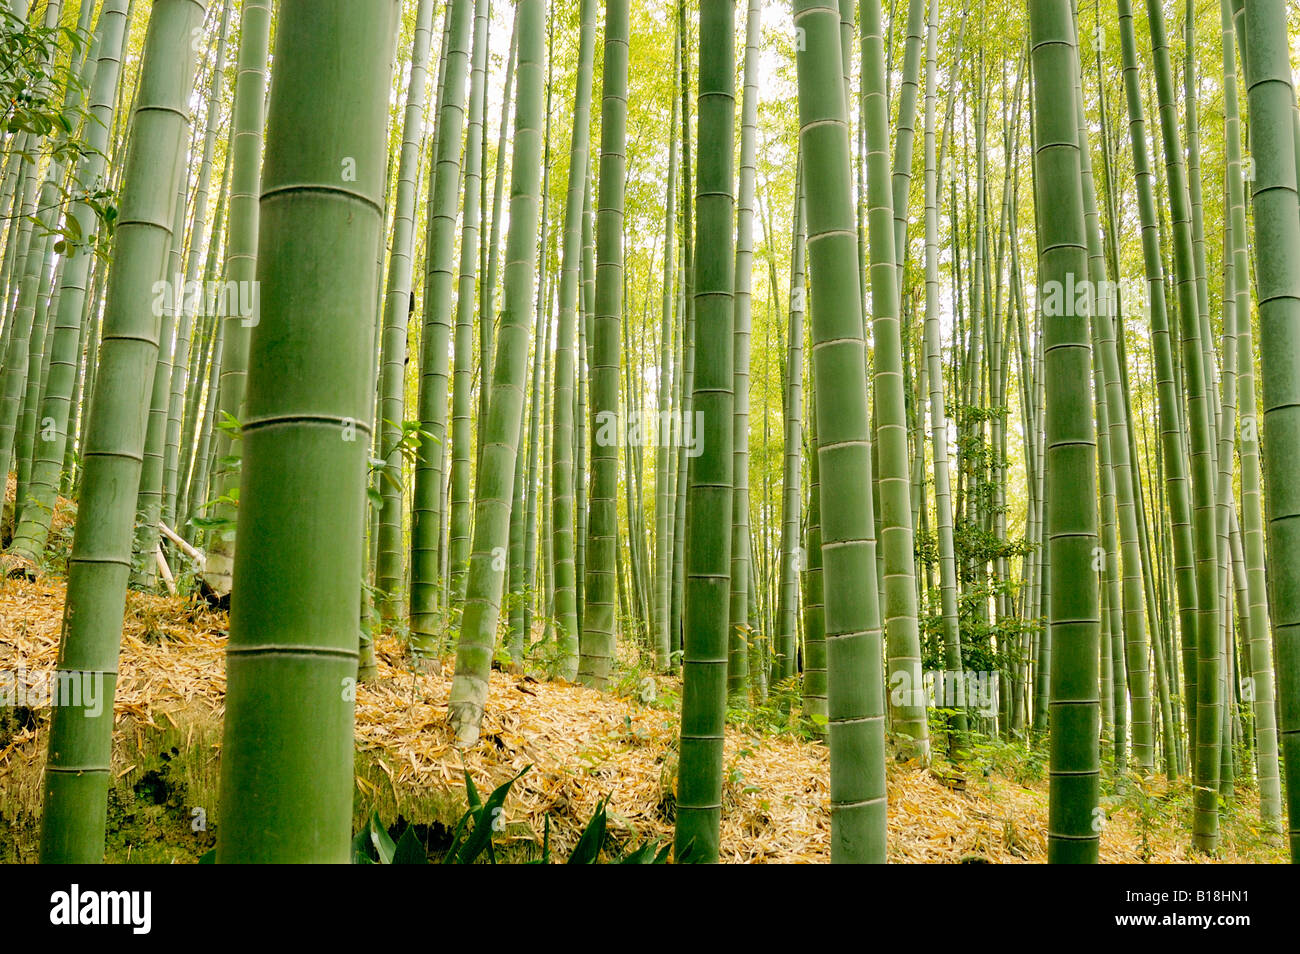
444,186
587,299
596,645
906,126
203,439
487,310
537,390
389,565
546,498
1125,590
907,694
149,498
1252,520
785,646
79,71
25,207
1277,233
1043,674
938,408
516,604
33,528
194,262
12,188
1197,210
77,767
505,407
1173,460
85,369
36,354
1119,394
471,249
247,121
292,655
1200,435
202,352
855,684
741,569
1114,677
1070,460
665,484
686,307
563,464
706,599
1233,571
35,239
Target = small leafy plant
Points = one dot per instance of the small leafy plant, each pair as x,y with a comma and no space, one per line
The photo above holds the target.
472,837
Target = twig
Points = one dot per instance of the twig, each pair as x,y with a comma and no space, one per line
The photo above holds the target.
185,548
165,570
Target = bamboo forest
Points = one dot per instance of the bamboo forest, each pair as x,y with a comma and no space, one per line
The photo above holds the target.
649,431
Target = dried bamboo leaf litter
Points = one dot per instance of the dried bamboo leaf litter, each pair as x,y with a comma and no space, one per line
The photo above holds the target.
583,745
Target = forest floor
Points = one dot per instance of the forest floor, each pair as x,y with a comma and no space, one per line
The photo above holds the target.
582,745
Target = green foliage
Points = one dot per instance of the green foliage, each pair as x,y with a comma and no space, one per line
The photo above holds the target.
988,644
222,511
222,520
472,837
28,78
230,426
979,634
989,756
410,438
589,843
42,96
372,845
782,713
69,227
